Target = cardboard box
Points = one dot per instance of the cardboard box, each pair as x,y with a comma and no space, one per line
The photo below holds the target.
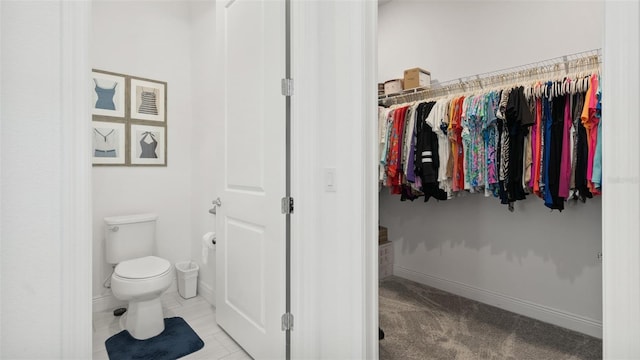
382,235
416,78
392,86
385,260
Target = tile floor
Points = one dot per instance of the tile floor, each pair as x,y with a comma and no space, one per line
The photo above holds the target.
197,312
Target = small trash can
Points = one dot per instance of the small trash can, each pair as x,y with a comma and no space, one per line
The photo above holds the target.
187,278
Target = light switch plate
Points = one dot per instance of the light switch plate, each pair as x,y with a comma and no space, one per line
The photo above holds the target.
330,183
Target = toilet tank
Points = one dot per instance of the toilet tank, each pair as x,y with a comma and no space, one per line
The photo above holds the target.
128,237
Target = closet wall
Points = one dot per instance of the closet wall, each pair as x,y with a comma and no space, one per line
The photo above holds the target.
535,262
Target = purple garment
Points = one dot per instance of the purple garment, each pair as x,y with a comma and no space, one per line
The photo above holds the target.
534,139
565,160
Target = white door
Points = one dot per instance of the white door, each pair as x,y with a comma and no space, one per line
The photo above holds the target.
250,259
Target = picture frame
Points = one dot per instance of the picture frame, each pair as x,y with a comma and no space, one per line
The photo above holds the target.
148,100
129,116
108,95
148,145
108,143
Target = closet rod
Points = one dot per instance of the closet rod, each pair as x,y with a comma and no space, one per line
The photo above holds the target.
560,66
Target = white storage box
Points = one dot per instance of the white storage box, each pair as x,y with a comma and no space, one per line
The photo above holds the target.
385,260
187,278
392,86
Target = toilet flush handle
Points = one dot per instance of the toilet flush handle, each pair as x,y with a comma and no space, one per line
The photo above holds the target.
113,228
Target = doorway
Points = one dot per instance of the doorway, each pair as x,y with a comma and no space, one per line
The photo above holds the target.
405,32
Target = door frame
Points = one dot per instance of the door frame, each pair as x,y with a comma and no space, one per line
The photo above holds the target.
76,192
620,177
312,337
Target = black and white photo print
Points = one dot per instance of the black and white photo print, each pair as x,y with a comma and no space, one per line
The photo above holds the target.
148,100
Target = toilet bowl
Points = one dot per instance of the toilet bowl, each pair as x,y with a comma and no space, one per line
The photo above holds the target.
141,281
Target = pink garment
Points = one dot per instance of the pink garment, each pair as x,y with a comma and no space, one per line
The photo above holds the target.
593,126
565,159
534,156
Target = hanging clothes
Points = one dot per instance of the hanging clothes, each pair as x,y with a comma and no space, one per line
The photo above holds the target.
503,130
409,145
536,142
394,158
590,121
542,140
472,120
582,154
596,176
491,139
555,152
565,158
519,119
385,118
427,160
455,136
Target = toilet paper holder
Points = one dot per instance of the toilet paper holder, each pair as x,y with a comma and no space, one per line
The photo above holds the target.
216,204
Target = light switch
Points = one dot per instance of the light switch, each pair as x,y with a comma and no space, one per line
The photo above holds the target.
330,180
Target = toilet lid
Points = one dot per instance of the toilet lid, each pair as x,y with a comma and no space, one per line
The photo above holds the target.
142,268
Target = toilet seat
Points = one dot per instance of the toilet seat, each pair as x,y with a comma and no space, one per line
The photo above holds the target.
142,268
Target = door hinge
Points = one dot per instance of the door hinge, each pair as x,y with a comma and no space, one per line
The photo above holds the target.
287,322
287,87
287,205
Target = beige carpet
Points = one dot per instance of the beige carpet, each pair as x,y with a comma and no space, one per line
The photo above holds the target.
421,322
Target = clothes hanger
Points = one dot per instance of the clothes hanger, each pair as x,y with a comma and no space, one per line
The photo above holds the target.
572,85
556,82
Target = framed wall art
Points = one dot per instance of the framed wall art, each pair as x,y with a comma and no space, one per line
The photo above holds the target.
129,120
108,143
148,145
147,100
108,95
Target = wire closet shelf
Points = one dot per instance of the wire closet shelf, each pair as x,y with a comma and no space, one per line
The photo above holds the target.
572,65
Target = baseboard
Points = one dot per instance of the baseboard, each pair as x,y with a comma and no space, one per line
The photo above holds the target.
107,301
544,313
207,292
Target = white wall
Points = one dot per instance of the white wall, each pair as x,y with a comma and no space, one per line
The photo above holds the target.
45,285
204,148
535,262
332,106
150,40
28,133
461,38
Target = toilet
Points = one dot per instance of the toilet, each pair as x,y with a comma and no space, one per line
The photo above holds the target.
139,277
